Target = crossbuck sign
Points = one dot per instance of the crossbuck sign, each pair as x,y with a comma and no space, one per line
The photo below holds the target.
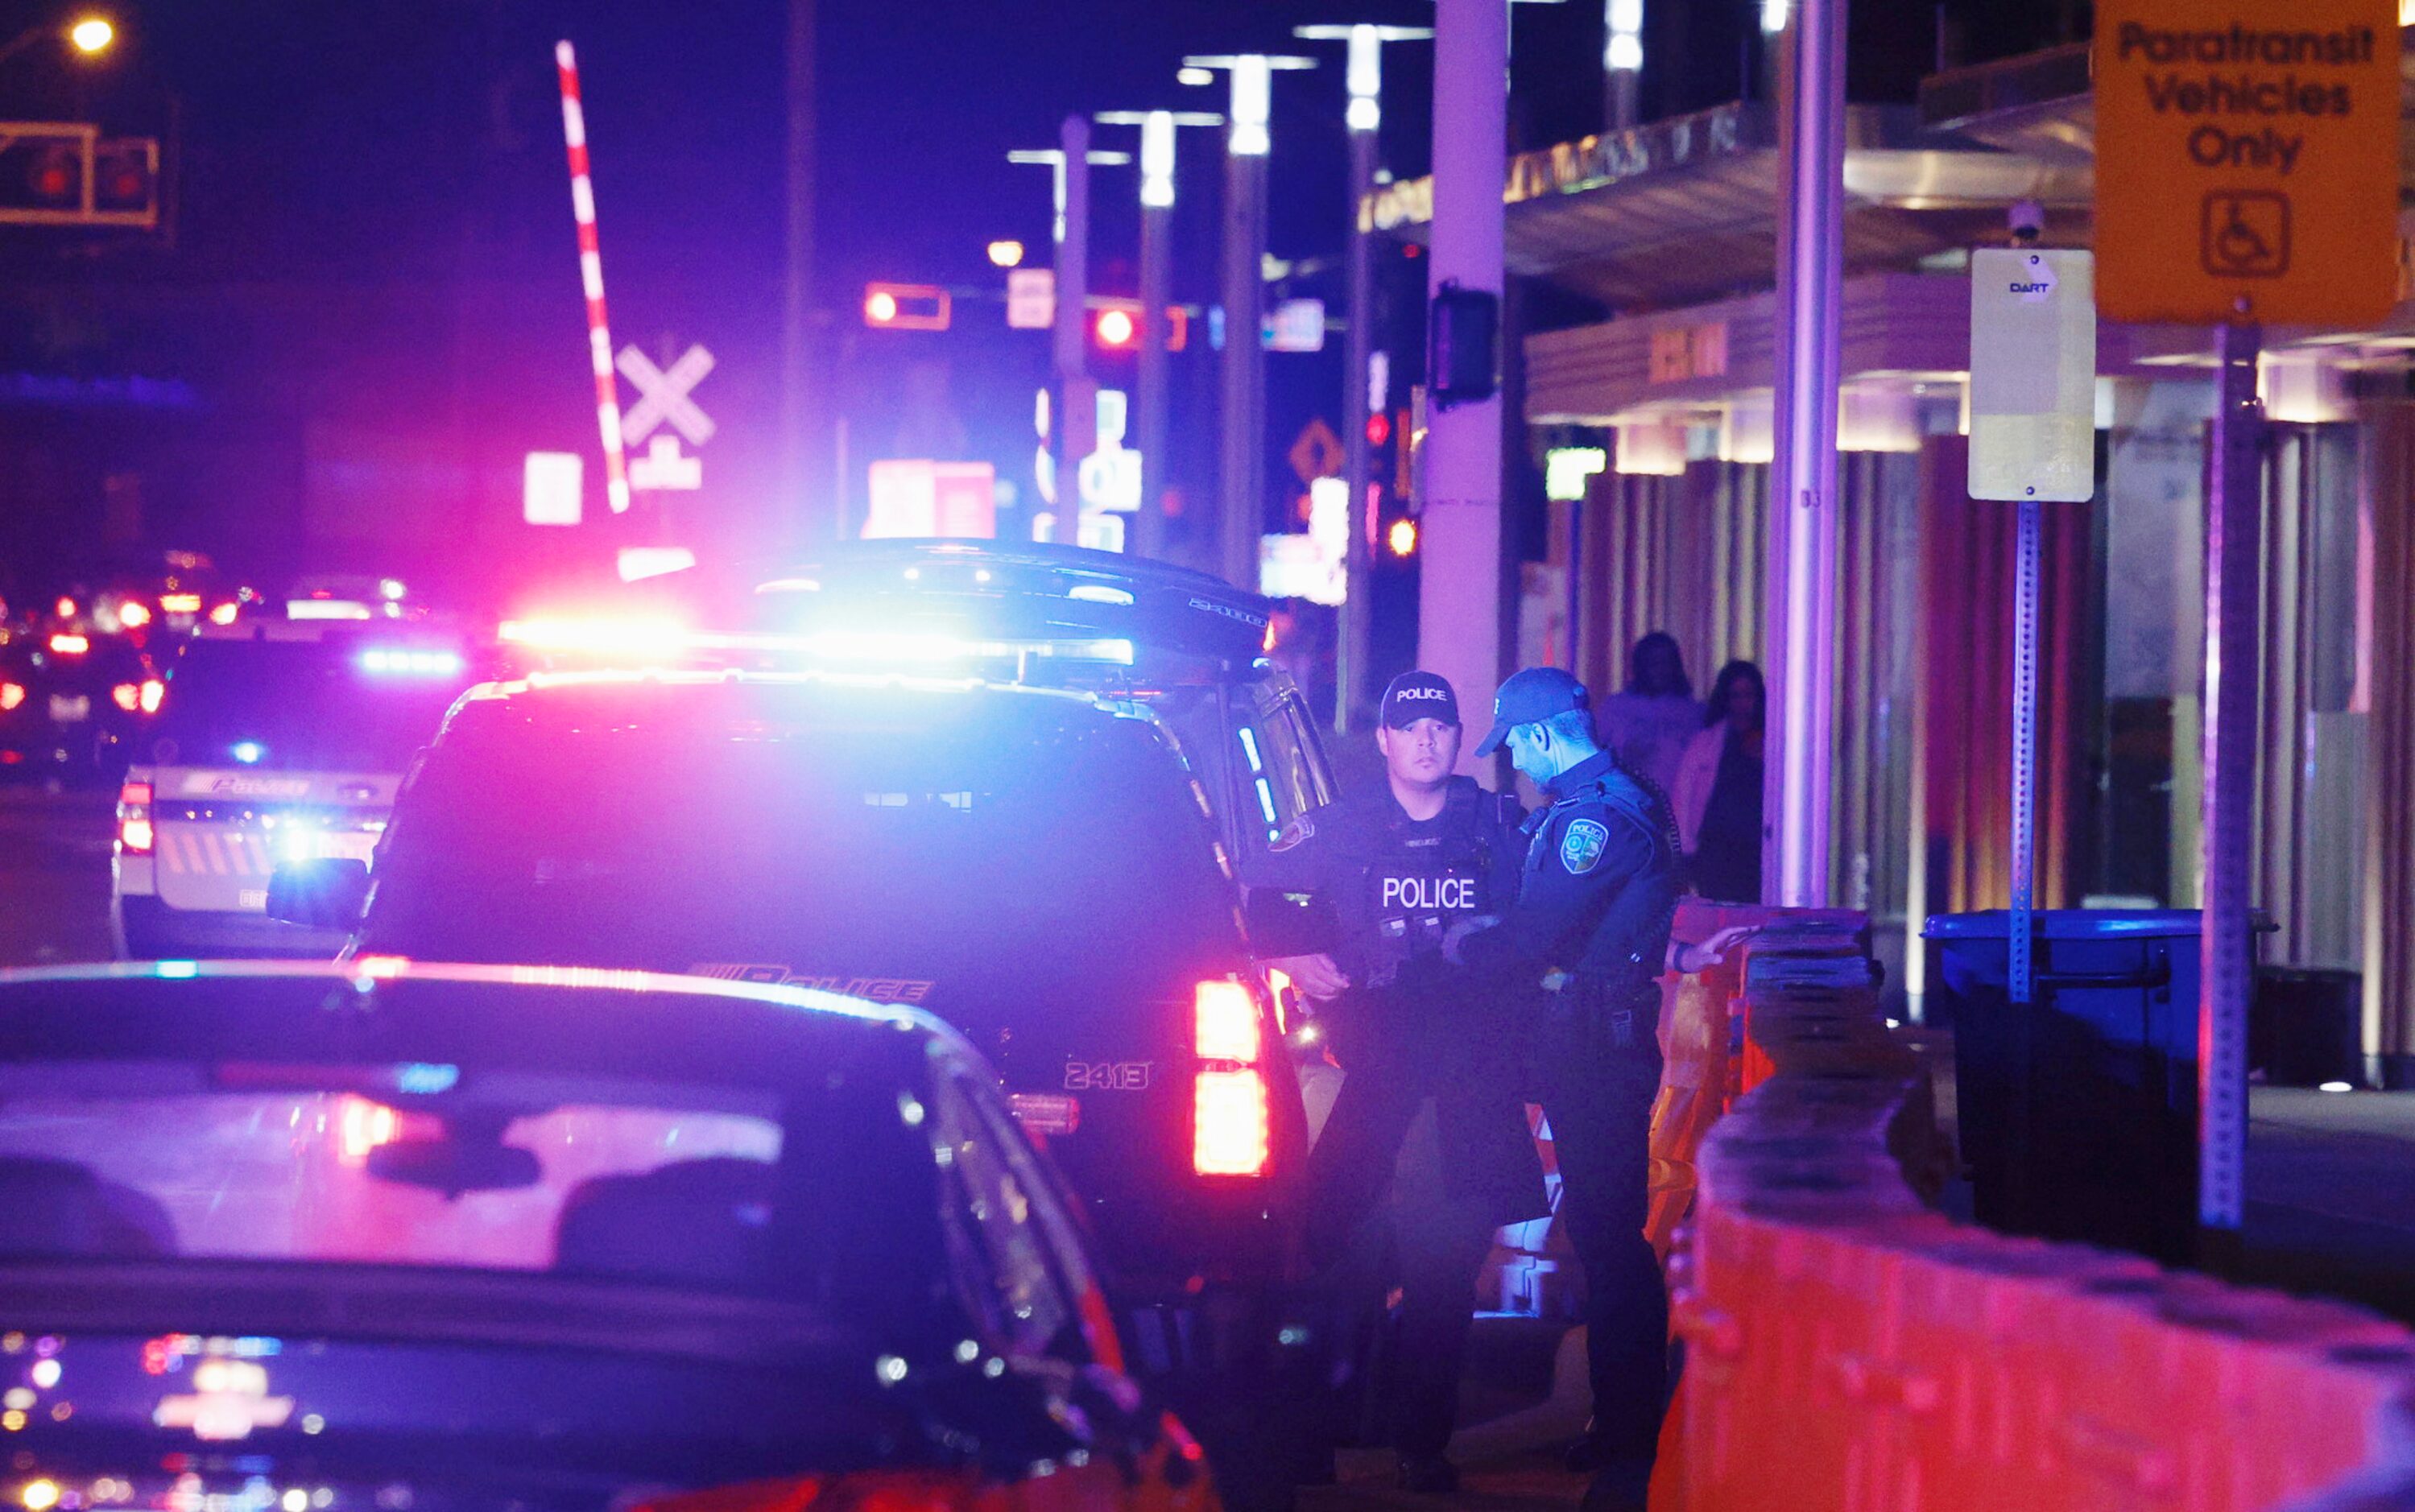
662,396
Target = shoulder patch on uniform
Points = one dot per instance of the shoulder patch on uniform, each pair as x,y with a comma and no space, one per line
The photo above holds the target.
1299,831
1581,845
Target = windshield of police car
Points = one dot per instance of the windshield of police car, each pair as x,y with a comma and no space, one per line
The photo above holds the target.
890,844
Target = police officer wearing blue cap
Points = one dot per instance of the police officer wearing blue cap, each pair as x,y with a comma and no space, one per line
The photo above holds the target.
1579,955
1399,868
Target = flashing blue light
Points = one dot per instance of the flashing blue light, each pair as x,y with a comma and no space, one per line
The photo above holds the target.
1267,801
1098,593
398,660
1249,749
248,752
421,1079
177,970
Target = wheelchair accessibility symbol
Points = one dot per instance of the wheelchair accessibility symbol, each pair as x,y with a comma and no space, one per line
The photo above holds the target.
2244,233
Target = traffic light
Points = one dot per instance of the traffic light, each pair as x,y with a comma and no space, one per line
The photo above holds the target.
1116,328
906,307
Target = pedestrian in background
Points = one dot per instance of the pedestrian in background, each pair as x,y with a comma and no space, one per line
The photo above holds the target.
1647,725
1717,793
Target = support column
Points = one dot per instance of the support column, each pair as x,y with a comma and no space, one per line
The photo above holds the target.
1077,396
1803,493
1461,587
1243,486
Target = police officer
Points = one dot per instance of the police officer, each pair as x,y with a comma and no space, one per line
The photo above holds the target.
1579,953
1399,868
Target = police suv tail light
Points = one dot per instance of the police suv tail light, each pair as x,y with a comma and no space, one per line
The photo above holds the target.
134,834
1232,1134
1225,1022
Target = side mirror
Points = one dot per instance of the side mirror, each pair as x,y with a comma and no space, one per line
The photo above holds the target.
327,893
1287,923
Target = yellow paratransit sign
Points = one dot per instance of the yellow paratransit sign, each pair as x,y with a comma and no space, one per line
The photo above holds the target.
2246,160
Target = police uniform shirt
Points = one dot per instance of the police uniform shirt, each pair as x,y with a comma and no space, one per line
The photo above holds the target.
1599,886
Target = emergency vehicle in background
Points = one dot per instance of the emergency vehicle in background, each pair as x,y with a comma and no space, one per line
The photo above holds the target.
279,739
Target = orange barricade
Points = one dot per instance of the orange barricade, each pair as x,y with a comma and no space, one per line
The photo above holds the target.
1848,1349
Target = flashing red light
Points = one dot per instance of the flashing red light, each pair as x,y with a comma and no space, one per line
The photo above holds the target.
65,608
126,696
11,695
66,644
1379,429
154,693
1413,250
222,615
133,616
1116,328
1402,537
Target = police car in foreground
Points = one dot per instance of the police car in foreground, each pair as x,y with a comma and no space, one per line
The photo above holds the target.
388,1238
277,739
1036,867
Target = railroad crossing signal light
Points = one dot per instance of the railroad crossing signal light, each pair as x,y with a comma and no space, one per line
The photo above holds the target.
54,177
1402,537
124,176
906,307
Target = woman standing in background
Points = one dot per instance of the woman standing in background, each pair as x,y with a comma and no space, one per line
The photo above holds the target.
1718,791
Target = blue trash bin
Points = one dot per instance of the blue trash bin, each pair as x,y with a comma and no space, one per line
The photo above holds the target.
2077,1112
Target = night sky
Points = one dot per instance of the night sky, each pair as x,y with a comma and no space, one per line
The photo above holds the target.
371,234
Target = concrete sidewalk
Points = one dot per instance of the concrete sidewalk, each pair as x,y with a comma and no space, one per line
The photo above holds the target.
2331,1196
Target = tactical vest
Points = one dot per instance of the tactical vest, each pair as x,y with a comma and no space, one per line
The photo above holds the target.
1410,887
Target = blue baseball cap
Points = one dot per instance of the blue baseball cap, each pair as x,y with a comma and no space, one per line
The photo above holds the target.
1529,698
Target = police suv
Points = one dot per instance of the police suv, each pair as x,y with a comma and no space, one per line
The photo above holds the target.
277,740
1038,866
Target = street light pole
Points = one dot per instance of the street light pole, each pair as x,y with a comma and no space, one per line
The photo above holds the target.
1365,79
1076,422
1157,130
1622,63
1242,491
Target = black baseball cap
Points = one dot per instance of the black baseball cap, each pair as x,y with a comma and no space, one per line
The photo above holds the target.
1414,696
1531,697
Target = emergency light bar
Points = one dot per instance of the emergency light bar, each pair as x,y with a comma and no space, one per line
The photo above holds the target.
665,641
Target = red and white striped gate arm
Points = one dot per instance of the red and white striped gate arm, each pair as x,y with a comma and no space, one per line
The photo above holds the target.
591,273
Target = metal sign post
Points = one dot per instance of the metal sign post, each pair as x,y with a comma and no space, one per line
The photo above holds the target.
2033,439
2233,528
2208,216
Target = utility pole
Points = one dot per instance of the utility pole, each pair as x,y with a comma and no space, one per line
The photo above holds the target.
1801,625
1461,589
1241,489
1365,80
815,520
1157,129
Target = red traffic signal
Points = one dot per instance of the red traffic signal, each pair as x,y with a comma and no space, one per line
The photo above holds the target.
906,307
1117,329
1379,429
